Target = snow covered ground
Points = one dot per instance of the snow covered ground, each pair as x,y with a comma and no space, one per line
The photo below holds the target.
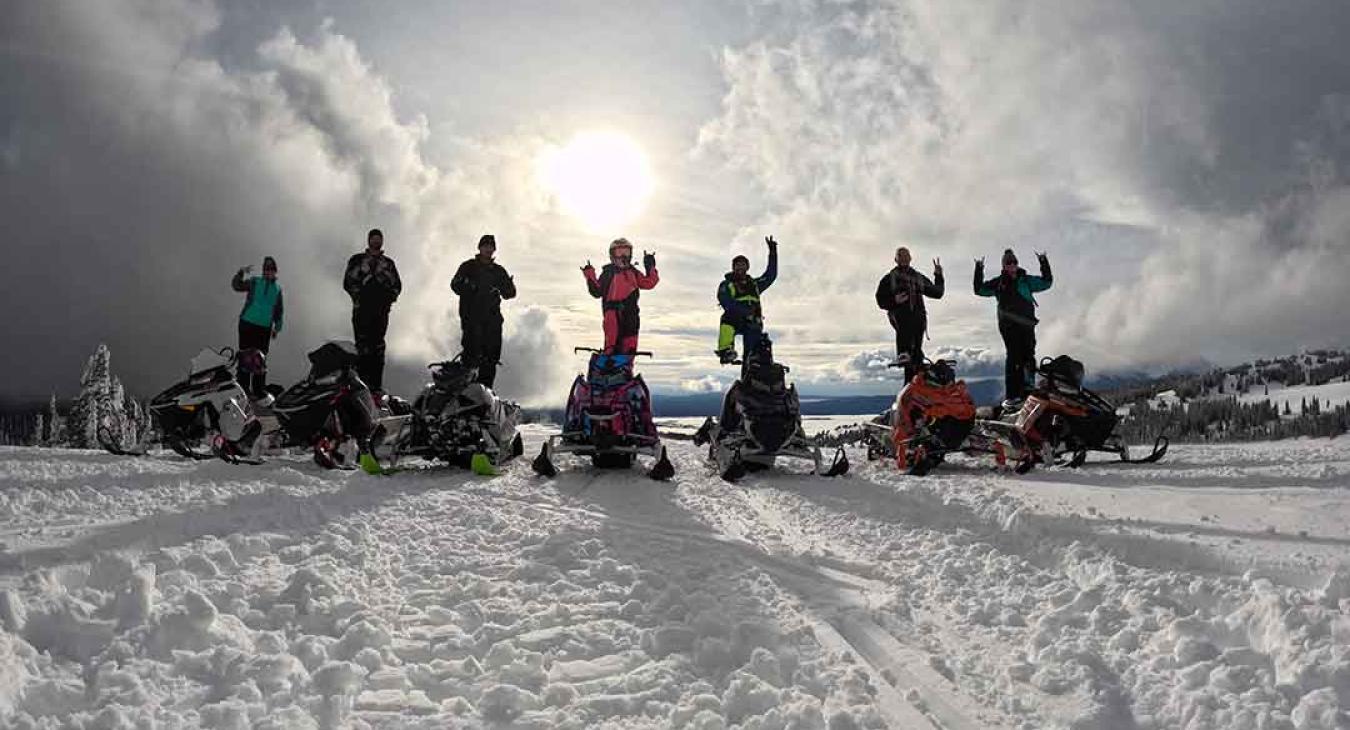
1201,592
1328,394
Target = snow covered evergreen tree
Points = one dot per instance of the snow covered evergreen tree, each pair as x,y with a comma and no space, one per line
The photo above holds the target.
52,436
101,407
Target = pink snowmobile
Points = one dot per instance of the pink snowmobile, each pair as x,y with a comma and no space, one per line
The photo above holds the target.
608,418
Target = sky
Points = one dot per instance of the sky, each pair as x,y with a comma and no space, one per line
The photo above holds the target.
1183,164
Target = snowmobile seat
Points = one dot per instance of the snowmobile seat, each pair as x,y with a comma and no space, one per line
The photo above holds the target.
608,371
1063,371
453,376
331,357
940,373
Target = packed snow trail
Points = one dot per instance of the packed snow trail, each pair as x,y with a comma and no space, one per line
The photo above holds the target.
206,595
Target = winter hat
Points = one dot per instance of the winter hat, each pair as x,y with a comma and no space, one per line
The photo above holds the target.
374,232
269,263
1009,257
740,258
487,240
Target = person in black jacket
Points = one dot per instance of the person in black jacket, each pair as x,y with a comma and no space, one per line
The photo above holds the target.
482,284
373,283
1013,288
900,293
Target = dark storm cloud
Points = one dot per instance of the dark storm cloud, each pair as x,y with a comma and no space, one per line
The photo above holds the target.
141,172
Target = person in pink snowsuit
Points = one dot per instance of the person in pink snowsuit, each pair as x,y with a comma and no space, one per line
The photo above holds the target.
617,289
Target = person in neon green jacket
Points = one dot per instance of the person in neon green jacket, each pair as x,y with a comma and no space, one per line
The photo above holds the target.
259,323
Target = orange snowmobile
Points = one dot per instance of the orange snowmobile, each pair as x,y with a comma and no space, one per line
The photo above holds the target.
932,417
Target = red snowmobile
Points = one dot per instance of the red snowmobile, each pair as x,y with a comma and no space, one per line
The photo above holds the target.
1059,417
608,418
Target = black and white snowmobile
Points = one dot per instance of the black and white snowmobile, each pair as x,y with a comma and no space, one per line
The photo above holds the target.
460,421
209,406
608,418
761,420
332,408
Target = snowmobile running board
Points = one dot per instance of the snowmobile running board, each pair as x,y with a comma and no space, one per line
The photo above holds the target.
1159,450
662,470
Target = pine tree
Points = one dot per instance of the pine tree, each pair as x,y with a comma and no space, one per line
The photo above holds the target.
86,414
52,437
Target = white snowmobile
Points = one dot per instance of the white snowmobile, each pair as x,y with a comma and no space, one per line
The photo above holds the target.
460,421
208,406
761,420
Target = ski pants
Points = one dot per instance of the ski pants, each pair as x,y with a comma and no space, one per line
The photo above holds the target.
751,329
621,329
481,341
369,325
253,337
1019,340
909,331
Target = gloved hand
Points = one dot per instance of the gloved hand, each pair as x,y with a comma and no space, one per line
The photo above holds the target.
772,243
937,266
247,269
1042,257
275,332
648,260
588,270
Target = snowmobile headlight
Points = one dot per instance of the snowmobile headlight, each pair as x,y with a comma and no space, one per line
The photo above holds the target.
189,407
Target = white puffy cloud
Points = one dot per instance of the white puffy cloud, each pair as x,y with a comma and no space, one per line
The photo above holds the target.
1191,208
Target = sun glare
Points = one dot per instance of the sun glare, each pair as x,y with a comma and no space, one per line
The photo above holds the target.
600,178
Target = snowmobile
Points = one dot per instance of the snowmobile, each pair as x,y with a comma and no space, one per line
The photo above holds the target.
608,418
459,420
1059,417
933,415
331,406
760,421
208,405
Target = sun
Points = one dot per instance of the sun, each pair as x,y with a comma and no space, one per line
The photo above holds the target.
600,178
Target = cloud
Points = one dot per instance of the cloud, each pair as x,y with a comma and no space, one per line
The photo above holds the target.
705,384
1192,205
971,363
152,170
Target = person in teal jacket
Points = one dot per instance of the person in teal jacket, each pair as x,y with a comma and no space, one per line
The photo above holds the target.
1013,288
259,324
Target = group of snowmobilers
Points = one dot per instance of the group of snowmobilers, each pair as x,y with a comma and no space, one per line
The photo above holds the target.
372,281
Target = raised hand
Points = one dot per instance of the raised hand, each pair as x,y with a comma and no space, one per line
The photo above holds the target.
937,265
979,262
648,260
772,243
588,266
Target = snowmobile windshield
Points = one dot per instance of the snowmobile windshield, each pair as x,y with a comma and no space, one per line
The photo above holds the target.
206,360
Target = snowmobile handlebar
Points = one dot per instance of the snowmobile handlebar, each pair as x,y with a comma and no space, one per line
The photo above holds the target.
638,353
